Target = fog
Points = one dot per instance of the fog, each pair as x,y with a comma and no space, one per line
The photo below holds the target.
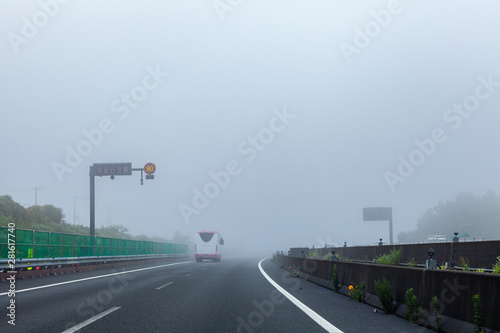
272,122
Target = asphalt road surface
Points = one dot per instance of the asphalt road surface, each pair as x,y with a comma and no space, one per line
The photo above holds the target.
234,295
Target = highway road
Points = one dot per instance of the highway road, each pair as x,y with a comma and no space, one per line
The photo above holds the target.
234,295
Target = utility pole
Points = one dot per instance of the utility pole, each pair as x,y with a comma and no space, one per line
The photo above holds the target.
36,188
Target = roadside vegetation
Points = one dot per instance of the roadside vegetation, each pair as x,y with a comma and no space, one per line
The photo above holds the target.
51,218
392,258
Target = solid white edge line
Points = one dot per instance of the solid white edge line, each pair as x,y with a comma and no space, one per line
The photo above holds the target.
190,274
166,284
313,315
97,277
90,320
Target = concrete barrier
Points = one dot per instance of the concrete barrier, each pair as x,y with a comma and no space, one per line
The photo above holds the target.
454,289
481,254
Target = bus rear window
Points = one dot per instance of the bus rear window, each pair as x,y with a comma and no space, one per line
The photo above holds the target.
206,236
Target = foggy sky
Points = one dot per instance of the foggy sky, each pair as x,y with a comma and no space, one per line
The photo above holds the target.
210,79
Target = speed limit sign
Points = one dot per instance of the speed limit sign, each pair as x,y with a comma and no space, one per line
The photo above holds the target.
149,168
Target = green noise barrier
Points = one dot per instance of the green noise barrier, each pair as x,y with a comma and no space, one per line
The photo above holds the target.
46,244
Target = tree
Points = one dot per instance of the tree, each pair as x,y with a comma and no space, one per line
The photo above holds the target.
53,214
478,216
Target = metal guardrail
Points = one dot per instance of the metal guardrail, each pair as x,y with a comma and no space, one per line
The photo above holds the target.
45,263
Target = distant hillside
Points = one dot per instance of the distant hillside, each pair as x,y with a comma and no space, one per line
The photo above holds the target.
50,218
477,216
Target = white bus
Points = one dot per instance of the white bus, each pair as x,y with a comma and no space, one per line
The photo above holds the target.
208,245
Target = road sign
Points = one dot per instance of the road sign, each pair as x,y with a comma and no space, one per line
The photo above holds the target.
377,214
149,168
113,169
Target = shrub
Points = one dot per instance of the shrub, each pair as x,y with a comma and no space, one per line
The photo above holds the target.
478,314
435,311
327,256
412,262
358,292
464,263
335,279
314,255
413,312
496,267
393,258
384,294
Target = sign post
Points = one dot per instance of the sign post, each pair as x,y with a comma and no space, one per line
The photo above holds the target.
379,214
112,170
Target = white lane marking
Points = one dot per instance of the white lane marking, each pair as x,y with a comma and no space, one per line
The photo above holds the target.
97,277
90,320
313,315
166,284
190,274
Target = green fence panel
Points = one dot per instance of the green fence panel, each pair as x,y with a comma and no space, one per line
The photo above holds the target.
89,251
89,241
68,240
68,251
79,240
24,236
41,251
3,235
40,244
80,251
41,238
98,251
56,251
56,239
23,251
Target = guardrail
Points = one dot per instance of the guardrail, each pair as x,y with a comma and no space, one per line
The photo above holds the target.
46,263
39,267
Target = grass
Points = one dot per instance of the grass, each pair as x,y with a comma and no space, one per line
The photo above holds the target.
392,258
